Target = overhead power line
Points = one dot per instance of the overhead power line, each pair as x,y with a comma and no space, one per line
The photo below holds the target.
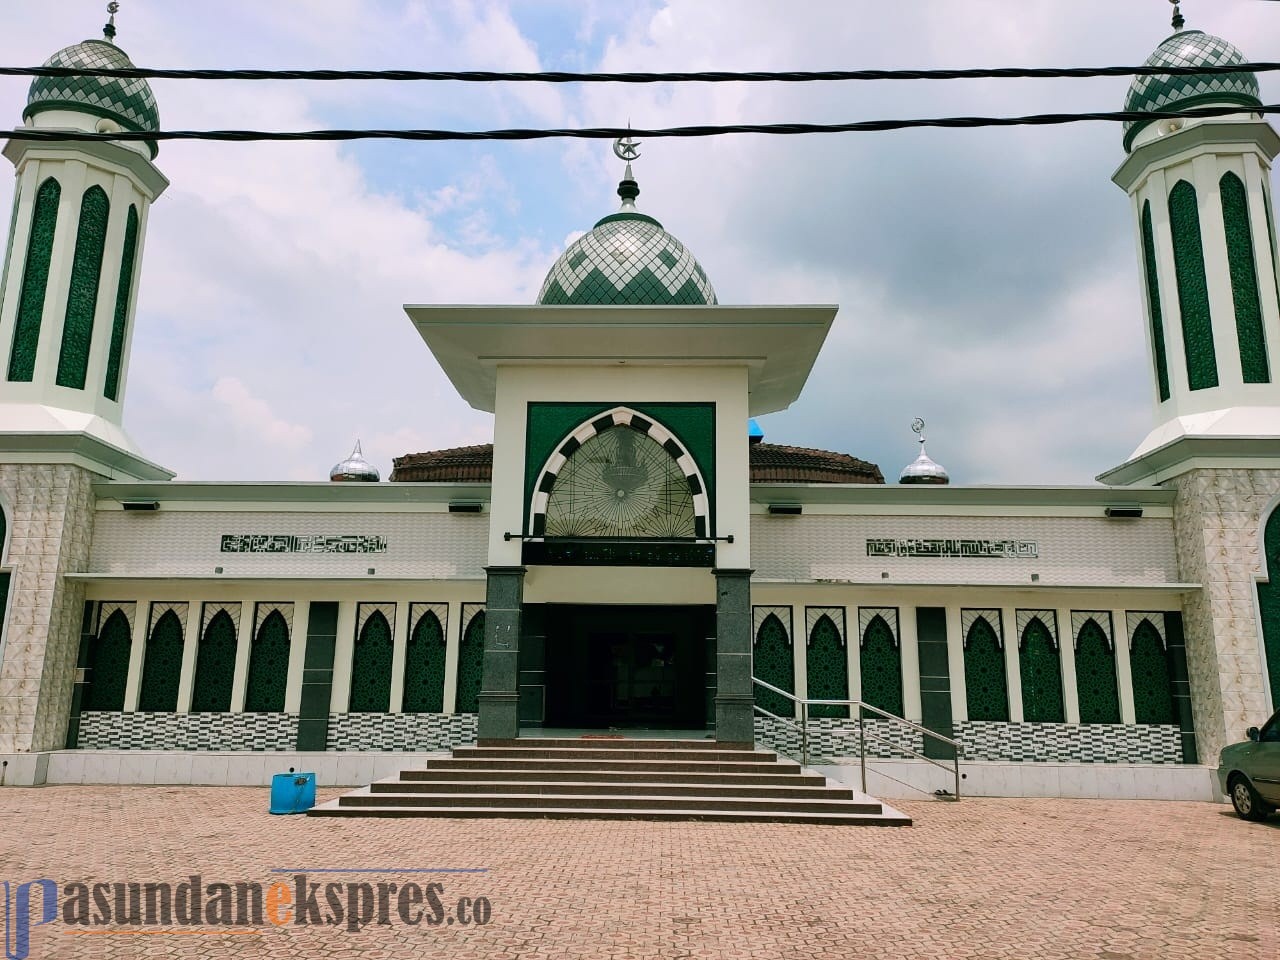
612,133
703,76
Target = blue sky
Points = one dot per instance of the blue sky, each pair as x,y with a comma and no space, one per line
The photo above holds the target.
988,280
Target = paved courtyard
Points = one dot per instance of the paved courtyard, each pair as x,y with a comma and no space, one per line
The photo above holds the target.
982,878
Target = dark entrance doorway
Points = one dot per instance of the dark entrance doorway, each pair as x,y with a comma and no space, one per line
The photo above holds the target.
628,666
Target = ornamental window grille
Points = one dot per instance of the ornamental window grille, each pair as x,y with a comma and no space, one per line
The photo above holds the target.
1193,287
1269,603
1041,674
124,294
1096,683
371,667
986,687
880,666
109,664
35,282
1243,264
1152,676
1155,311
827,664
773,662
268,666
215,666
470,666
162,666
424,667
82,292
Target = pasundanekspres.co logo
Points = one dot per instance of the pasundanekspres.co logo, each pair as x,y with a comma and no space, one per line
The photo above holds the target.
194,907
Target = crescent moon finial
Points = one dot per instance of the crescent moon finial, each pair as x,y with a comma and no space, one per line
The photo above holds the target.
626,148
917,426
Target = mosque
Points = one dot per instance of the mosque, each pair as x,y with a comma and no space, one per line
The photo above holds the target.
627,555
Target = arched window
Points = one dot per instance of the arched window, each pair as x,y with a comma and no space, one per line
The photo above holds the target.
1152,678
773,662
35,282
1241,259
109,664
470,666
1041,674
124,293
1193,287
215,666
268,666
82,294
987,689
424,667
371,667
1156,314
880,665
1269,602
1096,675
827,664
162,666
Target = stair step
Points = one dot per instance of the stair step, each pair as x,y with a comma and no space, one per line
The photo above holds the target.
615,802
689,766
794,778
631,753
617,743
713,788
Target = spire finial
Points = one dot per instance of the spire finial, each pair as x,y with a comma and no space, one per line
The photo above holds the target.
109,31
1178,21
627,148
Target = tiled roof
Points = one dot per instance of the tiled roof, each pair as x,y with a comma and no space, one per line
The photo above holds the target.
770,463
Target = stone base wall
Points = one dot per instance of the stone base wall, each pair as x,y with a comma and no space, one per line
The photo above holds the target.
400,731
831,738
1069,742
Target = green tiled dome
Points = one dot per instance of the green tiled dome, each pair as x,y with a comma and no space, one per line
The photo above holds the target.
1190,48
627,259
129,103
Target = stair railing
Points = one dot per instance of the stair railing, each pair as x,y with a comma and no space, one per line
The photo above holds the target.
802,707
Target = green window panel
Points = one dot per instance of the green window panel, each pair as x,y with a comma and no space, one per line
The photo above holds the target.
35,282
471,666
986,687
1241,258
162,666
82,293
1153,297
1096,676
215,666
880,665
424,667
773,662
1152,677
124,292
1269,603
1193,287
371,667
827,667
1041,671
268,666
109,664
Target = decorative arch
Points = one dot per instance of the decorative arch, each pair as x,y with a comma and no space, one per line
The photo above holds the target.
986,687
371,667
268,666
1193,287
215,666
82,294
589,431
880,667
470,665
1269,596
109,664
1152,676
1096,685
773,662
35,282
1041,673
424,666
162,665
827,662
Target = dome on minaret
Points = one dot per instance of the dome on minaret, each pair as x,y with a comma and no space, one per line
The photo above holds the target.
627,258
129,103
923,469
1190,48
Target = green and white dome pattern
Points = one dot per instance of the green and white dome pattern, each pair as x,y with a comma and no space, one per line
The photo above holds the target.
1191,48
130,103
627,259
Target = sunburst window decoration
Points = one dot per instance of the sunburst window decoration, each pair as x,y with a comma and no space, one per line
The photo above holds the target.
620,476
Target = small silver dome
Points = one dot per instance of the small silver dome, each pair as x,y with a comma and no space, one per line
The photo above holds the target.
922,469
355,469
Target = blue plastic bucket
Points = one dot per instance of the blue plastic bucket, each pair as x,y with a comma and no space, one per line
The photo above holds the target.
293,792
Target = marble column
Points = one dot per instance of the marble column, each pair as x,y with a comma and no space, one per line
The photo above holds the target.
735,719
500,685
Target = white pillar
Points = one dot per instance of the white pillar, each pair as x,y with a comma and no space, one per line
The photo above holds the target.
909,650
399,651
344,647
297,656
853,644
190,651
955,665
244,644
799,648
1012,662
137,653
1067,657
453,638
1124,673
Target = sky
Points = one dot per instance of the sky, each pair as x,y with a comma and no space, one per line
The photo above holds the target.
988,280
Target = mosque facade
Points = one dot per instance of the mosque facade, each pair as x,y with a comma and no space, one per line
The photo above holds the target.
626,554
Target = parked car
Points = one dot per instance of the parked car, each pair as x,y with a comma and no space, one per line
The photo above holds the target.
1249,772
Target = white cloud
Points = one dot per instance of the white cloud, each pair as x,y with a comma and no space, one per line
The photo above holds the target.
256,417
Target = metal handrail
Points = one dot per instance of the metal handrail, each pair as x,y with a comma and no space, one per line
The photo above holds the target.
863,734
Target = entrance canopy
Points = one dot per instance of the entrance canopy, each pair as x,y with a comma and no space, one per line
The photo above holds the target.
778,345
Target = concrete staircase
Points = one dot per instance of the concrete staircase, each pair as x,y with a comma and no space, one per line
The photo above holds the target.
617,779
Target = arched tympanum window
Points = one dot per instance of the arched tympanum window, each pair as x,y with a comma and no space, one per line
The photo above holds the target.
215,666
1152,676
371,667
268,666
109,664
424,667
987,689
828,667
880,665
1096,675
1041,674
162,666
470,666
773,662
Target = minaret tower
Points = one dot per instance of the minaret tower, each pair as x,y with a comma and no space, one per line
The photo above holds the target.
70,276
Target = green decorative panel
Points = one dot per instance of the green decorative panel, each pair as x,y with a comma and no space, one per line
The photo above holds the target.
1153,298
268,666
1269,603
162,666
1038,663
1193,287
881,668
986,688
35,282
124,293
827,666
1244,280
215,666
424,667
773,662
1152,678
82,294
109,664
371,667
1096,676
471,666
1271,233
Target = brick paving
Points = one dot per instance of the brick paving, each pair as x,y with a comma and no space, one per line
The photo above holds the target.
978,879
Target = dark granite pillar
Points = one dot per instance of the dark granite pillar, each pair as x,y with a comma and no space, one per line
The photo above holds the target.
1181,685
317,675
500,685
735,718
935,680
81,687
533,665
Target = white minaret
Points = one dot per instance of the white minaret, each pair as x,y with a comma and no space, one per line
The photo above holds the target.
1202,202
70,277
